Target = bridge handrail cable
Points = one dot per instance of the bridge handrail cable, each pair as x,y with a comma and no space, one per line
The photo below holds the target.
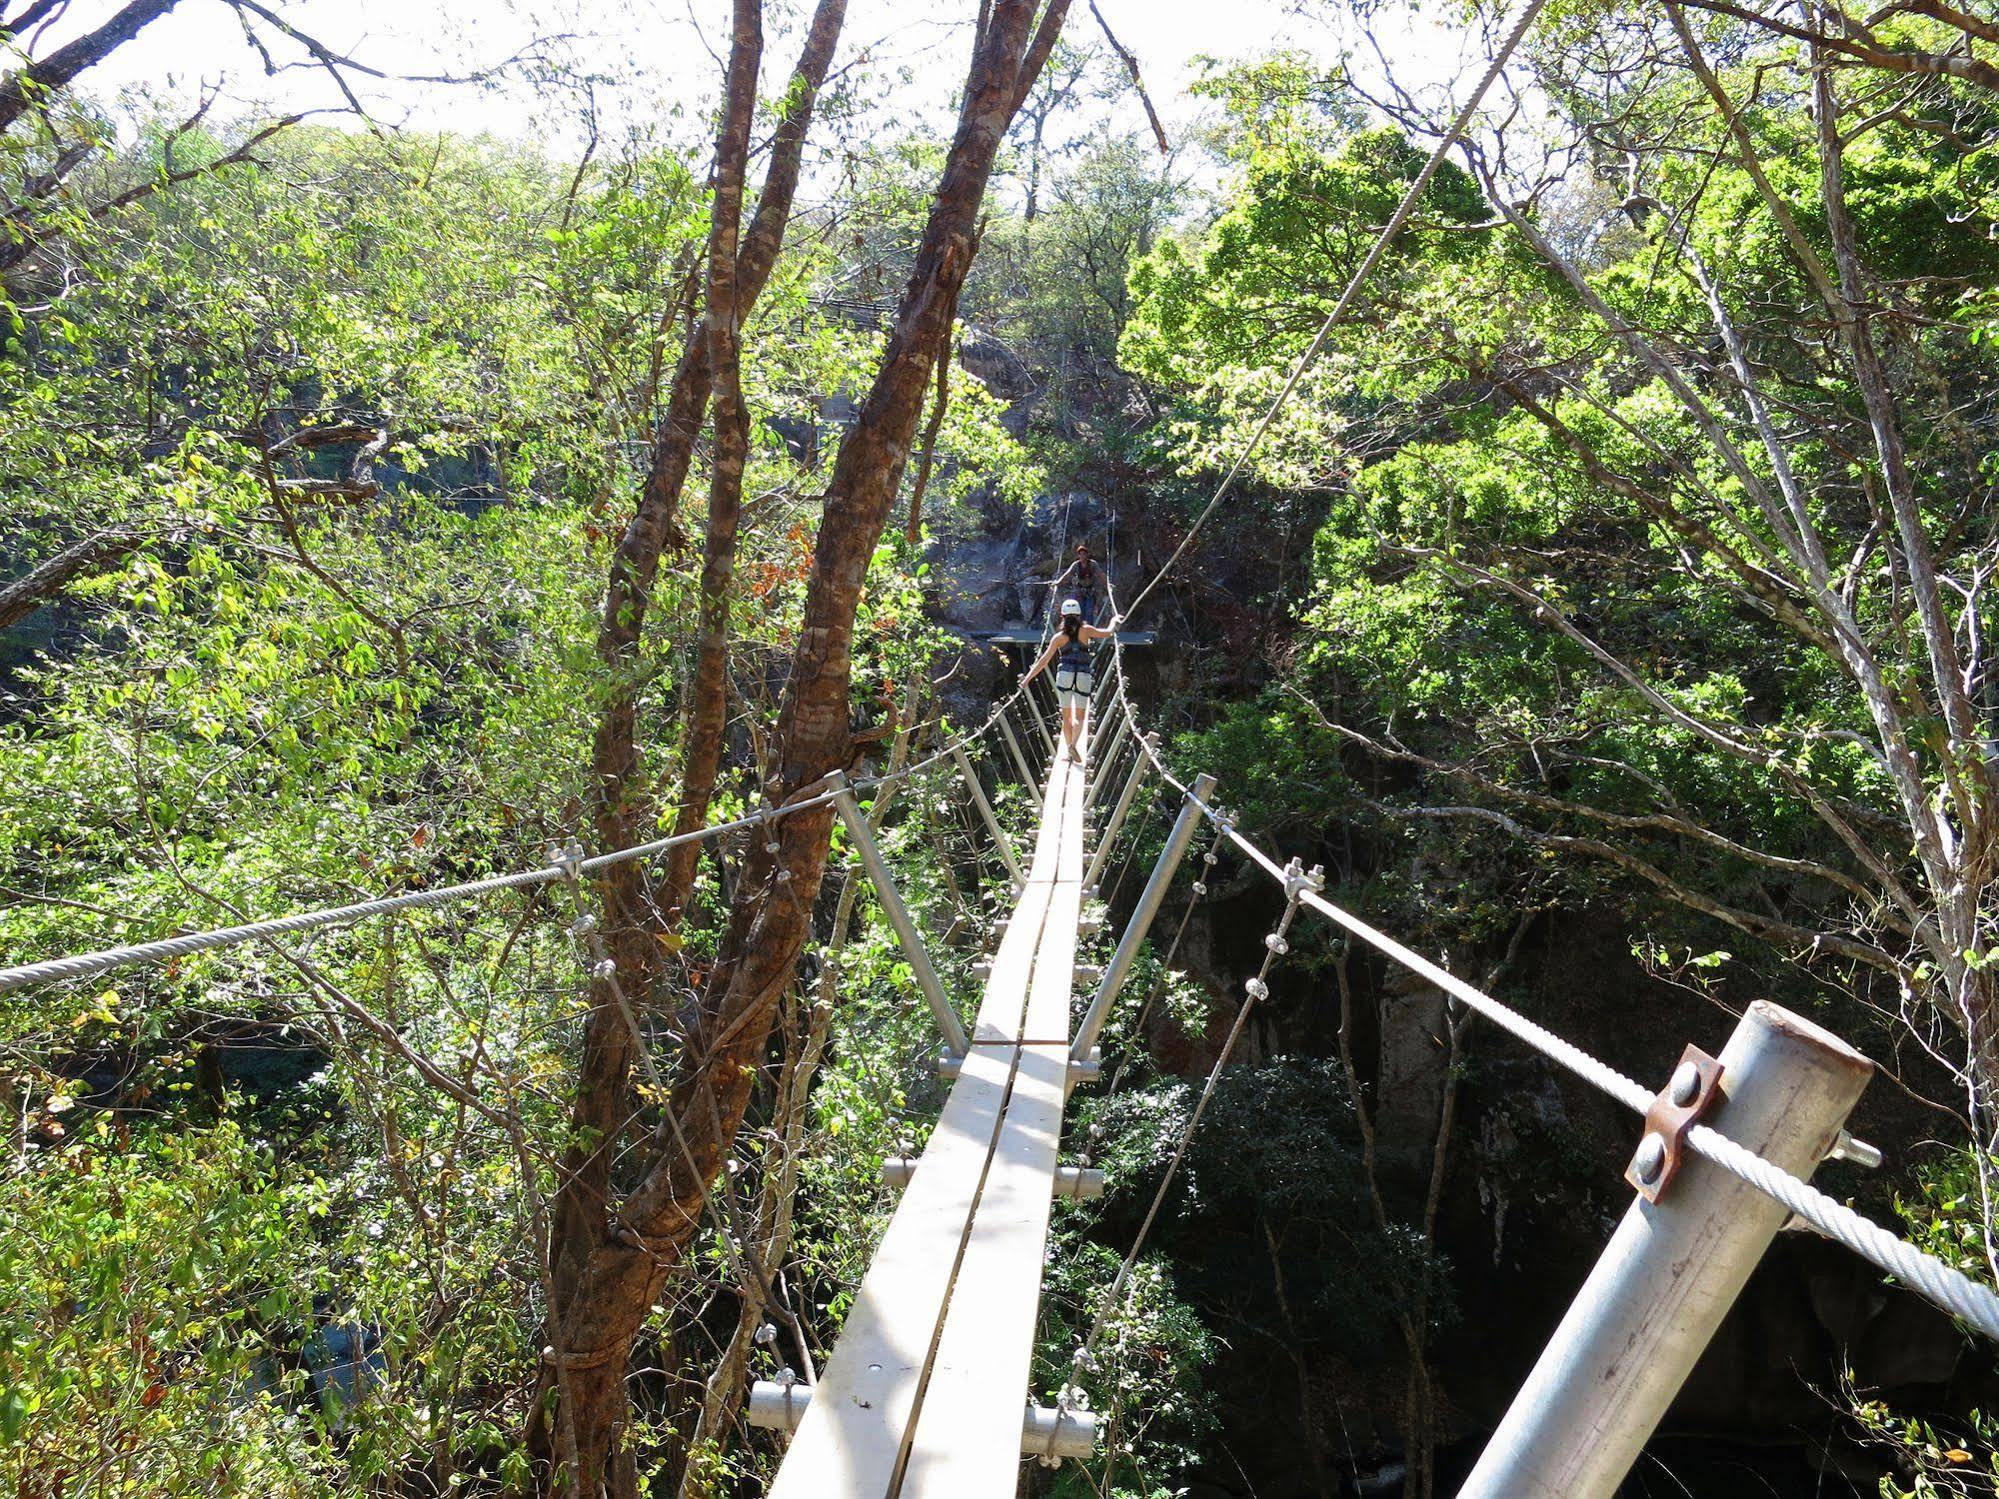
85,965
1941,1284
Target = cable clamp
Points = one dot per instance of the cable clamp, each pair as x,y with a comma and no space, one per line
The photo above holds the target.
1276,943
567,857
583,925
1200,887
1256,989
1297,881
1689,1094
605,969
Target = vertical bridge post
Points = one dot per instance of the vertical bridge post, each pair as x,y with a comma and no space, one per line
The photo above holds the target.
1141,918
898,917
1038,712
1019,757
1115,745
1000,840
1670,1272
1108,837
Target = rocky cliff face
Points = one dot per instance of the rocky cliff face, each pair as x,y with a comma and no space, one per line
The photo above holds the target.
989,572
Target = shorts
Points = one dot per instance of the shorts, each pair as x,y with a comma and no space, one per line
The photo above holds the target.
1075,685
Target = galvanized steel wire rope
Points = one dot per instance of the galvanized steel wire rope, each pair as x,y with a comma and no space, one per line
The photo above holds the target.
85,965
1941,1284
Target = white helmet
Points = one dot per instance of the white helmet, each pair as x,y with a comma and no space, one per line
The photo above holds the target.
1071,606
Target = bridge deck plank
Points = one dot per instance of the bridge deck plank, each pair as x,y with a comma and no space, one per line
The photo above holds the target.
853,1438
967,1438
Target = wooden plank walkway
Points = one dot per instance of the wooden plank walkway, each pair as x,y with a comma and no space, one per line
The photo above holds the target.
924,1392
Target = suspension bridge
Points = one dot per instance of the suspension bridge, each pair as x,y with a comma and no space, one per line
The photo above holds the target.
927,1391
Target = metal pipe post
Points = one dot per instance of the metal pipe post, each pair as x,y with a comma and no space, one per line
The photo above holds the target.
1141,918
1039,752
1000,840
1670,1272
1103,768
1049,713
899,918
1027,777
1112,828
1105,679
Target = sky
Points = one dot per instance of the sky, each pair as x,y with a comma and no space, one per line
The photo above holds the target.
659,56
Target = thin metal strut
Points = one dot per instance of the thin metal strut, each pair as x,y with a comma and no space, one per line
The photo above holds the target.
1111,753
1020,760
898,915
1000,839
1108,837
1141,918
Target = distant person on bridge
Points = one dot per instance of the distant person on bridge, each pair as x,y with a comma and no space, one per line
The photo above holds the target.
1088,579
1073,676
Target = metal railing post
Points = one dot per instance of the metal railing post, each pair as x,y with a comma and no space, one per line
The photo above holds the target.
1141,918
1000,840
1028,709
1027,777
899,918
1670,1272
1103,766
1103,678
1112,828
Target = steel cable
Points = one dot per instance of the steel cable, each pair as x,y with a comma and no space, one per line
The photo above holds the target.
84,965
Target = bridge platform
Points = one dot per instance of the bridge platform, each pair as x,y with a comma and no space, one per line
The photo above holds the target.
925,1392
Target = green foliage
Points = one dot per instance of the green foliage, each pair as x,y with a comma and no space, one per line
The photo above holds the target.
296,682
150,1297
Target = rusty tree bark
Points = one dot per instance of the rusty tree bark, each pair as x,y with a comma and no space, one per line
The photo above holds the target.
605,1296
654,523
621,810
603,1104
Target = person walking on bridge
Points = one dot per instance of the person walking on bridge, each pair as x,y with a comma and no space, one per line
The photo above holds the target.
1074,678
1087,578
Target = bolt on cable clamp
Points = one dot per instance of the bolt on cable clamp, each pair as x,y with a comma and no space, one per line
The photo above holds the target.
1256,989
606,968
1297,880
1687,1096
1276,943
1858,1152
583,925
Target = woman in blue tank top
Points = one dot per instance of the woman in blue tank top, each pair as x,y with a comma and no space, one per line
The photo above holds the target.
1074,679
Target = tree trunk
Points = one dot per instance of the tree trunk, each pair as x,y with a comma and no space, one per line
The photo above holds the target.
654,523
32,86
701,756
632,919
606,1294
912,531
